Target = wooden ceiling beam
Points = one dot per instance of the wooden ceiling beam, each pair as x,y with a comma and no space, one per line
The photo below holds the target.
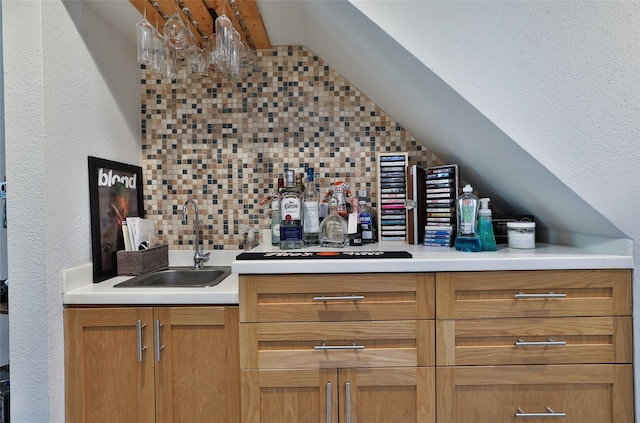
255,26
199,10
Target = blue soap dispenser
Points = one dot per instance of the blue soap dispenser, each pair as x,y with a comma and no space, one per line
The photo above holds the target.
467,210
485,226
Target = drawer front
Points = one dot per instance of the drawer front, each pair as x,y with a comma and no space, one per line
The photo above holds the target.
534,341
548,293
310,345
336,297
575,394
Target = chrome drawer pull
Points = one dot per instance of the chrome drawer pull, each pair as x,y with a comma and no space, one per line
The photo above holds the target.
549,413
548,342
348,400
325,347
520,295
141,348
328,402
342,298
159,346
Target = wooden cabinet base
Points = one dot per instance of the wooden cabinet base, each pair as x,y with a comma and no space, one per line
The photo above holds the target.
405,395
152,365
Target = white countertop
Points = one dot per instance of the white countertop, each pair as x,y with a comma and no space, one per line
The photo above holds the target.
78,287
437,259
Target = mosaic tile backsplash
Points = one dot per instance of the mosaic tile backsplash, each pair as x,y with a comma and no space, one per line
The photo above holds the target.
223,142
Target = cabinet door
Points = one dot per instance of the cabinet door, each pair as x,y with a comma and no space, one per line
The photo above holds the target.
505,394
292,396
109,365
197,364
389,395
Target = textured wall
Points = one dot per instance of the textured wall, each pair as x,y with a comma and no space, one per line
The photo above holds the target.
223,142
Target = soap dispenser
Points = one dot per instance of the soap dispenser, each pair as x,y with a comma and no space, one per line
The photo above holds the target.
467,209
485,226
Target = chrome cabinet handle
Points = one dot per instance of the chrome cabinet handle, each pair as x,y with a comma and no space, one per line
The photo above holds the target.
340,298
325,347
521,295
549,413
348,400
141,348
328,402
548,342
158,346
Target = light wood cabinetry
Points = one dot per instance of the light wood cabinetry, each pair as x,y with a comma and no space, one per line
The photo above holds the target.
152,364
337,348
531,345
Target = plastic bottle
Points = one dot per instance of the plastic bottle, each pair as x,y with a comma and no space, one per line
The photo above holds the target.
467,208
485,226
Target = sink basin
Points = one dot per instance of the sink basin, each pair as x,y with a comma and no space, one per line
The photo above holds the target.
179,277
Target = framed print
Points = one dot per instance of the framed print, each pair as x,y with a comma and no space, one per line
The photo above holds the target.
115,193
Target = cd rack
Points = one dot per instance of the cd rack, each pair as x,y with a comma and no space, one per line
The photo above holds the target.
442,191
392,193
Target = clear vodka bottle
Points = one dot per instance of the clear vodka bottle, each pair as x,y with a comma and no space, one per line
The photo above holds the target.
311,212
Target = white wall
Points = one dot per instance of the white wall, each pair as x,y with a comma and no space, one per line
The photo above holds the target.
560,78
71,90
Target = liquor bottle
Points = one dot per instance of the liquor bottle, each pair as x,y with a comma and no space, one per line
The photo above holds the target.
311,212
354,226
333,228
291,215
275,221
366,218
275,213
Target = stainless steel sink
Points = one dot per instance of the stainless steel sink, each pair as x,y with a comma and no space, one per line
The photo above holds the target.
179,277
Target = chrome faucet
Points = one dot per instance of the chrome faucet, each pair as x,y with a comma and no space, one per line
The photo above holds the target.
199,257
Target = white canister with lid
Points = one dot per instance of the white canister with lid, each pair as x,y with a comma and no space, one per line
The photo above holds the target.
521,234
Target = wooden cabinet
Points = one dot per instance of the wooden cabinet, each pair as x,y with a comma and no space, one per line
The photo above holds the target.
337,348
152,364
400,395
530,345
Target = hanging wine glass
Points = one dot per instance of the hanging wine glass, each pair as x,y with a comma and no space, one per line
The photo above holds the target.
223,28
175,30
144,36
236,53
206,57
190,44
157,49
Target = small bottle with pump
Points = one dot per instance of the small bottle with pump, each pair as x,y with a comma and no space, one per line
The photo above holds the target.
485,226
467,208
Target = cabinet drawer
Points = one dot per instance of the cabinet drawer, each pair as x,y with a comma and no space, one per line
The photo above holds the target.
578,394
311,345
565,340
336,297
549,293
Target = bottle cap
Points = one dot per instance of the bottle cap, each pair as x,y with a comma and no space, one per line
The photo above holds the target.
467,188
